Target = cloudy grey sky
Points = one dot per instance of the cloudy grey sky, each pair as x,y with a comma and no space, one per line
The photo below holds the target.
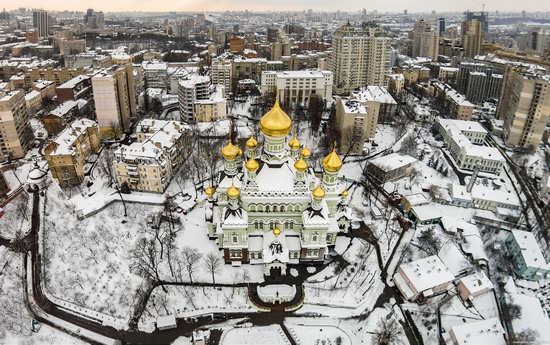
282,5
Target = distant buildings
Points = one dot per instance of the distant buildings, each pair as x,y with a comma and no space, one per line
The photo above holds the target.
465,141
425,41
94,20
67,154
297,86
478,81
115,100
359,58
15,130
524,107
40,21
472,37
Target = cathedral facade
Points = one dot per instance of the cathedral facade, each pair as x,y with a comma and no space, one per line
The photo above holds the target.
268,207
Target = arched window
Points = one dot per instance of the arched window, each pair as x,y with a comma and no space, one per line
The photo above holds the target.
314,237
234,238
274,208
267,208
329,238
252,208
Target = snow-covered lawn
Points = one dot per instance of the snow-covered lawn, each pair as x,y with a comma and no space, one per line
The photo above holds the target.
266,335
357,286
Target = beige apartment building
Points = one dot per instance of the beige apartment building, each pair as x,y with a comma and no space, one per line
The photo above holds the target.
148,165
15,129
356,123
472,37
209,110
457,105
524,107
359,58
425,41
67,154
115,99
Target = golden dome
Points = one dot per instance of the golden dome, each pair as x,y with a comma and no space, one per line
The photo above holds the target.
276,122
251,143
276,231
345,193
230,151
332,163
233,192
209,191
306,153
300,165
318,193
294,143
240,153
252,165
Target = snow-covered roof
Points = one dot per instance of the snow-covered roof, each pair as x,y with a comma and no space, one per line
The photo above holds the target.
426,273
374,93
64,108
477,282
486,332
392,161
530,249
454,95
29,96
166,321
66,139
275,247
463,126
353,107
532,317
74,81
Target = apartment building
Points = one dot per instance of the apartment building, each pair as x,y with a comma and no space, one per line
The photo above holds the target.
221,72
465,141
458,106
297,86
243,68
68,153
15,130
396,84
115,99
472,37
190,90
356,123
71,47
59,117
425,41
79,87
379,97
41,21
478,81
155,74
524,107
360,57
148,164
212,109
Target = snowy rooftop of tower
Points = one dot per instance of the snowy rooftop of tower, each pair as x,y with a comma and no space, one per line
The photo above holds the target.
374,93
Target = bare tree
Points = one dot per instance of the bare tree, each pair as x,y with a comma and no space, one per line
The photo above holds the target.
351,140
387,332
526,337
116,130
315,109
511,311
213,264
191,258
146,260
429,242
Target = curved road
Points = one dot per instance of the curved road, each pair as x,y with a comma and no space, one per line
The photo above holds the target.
41,301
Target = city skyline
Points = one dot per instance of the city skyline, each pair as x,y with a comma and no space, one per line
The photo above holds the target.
285,5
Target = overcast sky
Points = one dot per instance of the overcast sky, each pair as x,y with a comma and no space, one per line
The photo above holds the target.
282,5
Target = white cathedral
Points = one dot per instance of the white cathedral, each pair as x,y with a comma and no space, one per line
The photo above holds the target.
269,208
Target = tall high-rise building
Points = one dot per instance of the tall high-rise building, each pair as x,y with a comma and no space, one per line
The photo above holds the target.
482,17
95,20
115,99
441,25
472,37
425,41
524,106
478,81
15,129
360,57
40,20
